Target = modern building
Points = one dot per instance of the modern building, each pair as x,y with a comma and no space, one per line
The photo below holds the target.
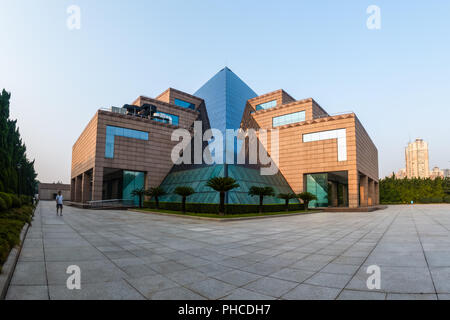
446,173
437,173
48,191
122,149
417,161
401,174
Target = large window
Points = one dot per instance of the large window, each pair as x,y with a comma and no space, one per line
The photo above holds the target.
112,132
266,105
317,184
131,181
184,104
166,118
340,135
288,119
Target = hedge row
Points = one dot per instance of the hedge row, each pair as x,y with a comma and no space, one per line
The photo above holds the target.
230,208
10,200
11,224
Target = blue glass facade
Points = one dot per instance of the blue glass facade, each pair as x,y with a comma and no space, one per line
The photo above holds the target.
266,105
288,119
225,97
184,104
317,184
246,177
167,118
112,132
131,181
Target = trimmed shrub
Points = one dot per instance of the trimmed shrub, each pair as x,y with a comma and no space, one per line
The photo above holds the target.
447,198
7,198
9,237
230,208
431,200
22,214
3,206
16,203
26,200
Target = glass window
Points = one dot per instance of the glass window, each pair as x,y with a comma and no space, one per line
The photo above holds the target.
288,119
266,105
340,135
184,104
131,181
167,118
112,132
317,184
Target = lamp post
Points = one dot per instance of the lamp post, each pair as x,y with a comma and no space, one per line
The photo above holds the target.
19,170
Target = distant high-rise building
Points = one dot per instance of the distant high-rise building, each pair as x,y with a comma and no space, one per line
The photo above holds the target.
436,173
417,162
401,174
446,173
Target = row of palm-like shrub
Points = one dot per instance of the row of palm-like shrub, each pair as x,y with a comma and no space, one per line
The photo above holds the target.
230,209
223,185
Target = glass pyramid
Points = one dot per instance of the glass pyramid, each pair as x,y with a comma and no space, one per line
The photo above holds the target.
225,97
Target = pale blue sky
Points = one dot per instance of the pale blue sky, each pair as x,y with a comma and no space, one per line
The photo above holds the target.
396,79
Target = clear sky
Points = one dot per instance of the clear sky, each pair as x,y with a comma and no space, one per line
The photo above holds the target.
396,79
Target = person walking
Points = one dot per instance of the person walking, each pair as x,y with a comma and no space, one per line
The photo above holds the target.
59,203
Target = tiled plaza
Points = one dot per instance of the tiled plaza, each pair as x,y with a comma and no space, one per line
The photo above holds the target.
128,255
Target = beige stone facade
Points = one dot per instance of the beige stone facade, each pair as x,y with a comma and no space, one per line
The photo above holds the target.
152,157
48,191
298,158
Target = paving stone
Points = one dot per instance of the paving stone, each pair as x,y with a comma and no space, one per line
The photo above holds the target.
271,286
295,275
29,274
331,280
309,292
27,293
361,295
441,278
211,288
406,296
397,280
163,257
150,284
243,294
188,276
237,277
98,291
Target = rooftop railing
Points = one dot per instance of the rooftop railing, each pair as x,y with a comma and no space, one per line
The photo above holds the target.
144,114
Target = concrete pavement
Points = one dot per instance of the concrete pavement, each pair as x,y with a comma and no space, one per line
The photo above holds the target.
129,255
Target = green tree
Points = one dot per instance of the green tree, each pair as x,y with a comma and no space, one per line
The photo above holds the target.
428,190
261,192
307,197
155,193
287,197
139,193
17,174
184,192
222,185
